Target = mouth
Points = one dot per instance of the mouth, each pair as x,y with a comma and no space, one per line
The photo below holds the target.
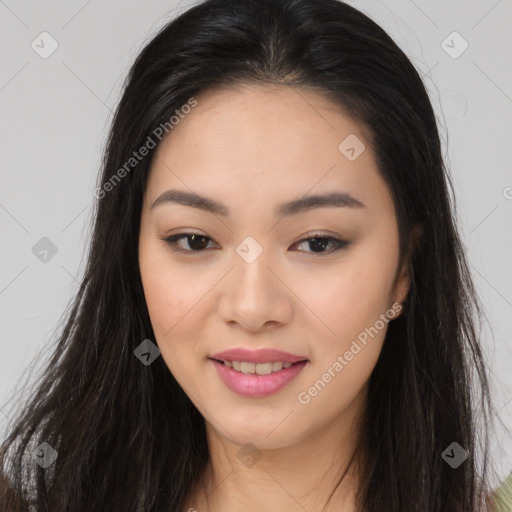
265,368
257,380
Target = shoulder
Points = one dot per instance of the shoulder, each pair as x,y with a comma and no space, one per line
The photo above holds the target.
502,497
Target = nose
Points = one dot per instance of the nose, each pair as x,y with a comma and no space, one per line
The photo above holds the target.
255,297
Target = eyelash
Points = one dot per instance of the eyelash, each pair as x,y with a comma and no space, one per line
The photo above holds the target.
339,244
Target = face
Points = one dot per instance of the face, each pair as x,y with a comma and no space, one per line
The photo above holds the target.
254,266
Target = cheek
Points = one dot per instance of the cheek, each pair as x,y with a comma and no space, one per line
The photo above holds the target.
170,301
354,306
165,299
168,304
170,291
177,303
352,296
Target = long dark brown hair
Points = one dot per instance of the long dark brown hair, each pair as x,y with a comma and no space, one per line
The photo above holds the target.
126,435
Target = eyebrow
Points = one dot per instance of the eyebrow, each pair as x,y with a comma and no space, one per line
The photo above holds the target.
330,199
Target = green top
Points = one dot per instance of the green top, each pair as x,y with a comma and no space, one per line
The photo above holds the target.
503,496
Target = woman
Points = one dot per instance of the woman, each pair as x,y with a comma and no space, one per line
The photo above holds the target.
277,313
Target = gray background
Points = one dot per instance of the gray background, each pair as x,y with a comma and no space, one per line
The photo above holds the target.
55,113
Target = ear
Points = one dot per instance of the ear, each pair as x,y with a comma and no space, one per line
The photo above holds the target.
402,287
403,282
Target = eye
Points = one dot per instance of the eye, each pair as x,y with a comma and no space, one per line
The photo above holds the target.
194,241
198,243
318,243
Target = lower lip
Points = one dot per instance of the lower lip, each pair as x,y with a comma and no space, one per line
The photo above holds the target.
257,386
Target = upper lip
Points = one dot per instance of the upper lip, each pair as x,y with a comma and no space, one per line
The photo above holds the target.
264,355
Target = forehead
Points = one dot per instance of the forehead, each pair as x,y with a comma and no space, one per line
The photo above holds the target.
261,142
259,119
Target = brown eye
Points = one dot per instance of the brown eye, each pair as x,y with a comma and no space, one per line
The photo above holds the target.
195,242
319,244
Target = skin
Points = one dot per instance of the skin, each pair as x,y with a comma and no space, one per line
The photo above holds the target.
252,148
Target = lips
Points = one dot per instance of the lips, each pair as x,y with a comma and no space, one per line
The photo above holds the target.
257,356
257,386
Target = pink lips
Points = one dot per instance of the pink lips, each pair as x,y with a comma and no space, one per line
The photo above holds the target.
253,385
263,355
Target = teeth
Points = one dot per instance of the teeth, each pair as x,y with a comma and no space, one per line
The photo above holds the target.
247,367
257,368
277,365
